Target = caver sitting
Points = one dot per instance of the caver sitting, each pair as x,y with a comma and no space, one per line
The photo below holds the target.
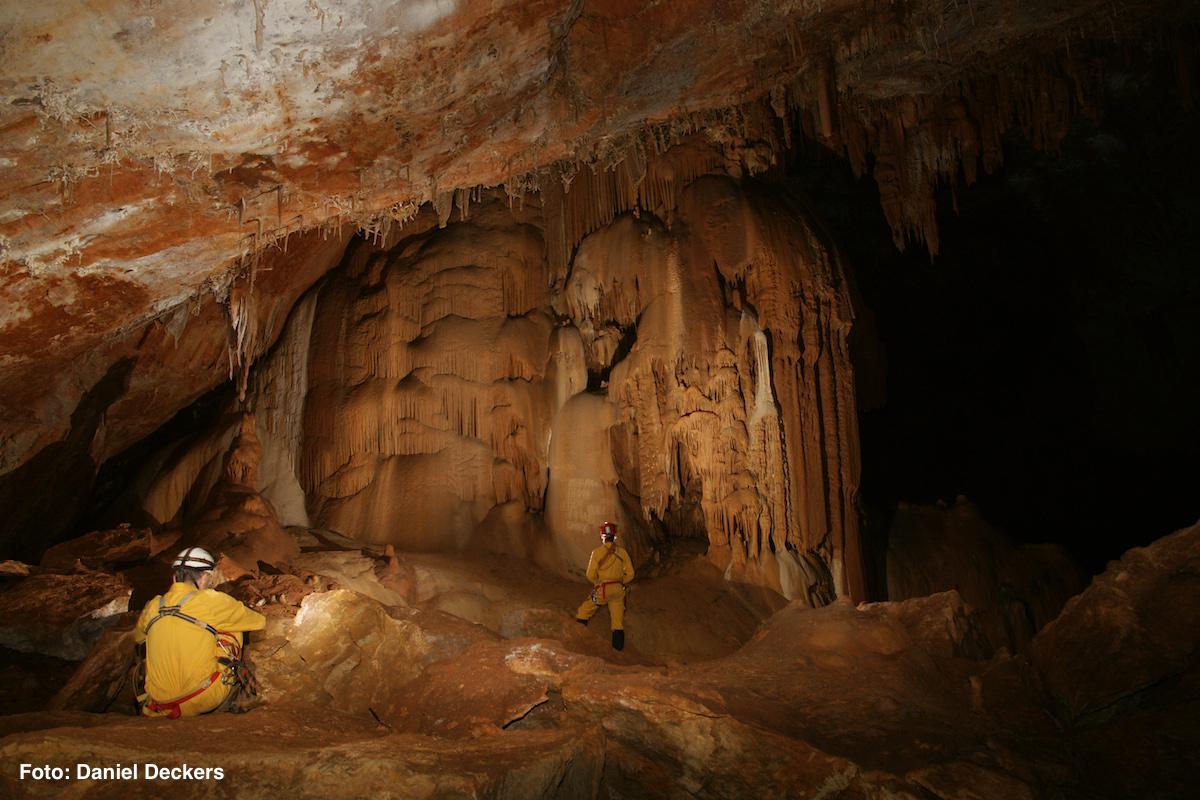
194,638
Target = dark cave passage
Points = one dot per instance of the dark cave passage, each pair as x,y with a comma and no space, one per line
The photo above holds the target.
1043,364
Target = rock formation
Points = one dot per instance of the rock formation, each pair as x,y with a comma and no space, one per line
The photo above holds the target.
61,614
150,227
425,396
1138,620
887,699
389,305
452,374
1016,590
238,523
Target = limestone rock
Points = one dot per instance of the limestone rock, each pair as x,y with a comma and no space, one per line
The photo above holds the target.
940,623
426,399
291,751
665,394
583,485
109,549
347,651
269,592
448,699
14,569
239,523
61,615
1015,591
354,570
29,680
1138,624
502,116
103,680
718,382
812,704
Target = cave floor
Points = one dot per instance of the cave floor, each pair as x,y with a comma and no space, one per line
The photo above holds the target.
434,675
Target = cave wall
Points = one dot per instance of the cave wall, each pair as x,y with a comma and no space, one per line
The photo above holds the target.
129,216
426,398
685,380
102,405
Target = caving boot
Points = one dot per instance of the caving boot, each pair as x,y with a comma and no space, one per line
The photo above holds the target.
618,640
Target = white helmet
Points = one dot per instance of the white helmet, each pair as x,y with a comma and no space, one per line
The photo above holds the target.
195,558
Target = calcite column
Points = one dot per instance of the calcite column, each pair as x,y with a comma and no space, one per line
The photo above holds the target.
733,380
774,260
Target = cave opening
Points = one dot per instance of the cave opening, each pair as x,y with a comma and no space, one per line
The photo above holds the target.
114,496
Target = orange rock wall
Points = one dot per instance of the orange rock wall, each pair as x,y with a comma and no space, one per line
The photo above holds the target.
426,402
441,373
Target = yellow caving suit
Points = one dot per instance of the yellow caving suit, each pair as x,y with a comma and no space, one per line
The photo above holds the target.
181,656
609,569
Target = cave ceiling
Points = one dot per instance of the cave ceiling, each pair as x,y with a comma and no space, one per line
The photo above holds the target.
151,147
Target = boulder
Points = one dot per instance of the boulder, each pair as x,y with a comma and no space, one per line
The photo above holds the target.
1014,590
108,549
105,676
61,615
472,694
346,651
941,623
1135,626
14,569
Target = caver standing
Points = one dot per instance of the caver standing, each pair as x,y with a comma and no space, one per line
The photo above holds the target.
610,570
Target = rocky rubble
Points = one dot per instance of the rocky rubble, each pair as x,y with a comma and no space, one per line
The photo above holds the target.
896,700
1015,590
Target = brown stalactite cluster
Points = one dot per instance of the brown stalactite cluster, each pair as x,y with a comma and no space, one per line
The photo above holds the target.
118,213
447,377
425,383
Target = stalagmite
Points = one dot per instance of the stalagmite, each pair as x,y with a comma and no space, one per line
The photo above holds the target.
238,523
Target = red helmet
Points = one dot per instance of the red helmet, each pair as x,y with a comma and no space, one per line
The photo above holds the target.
609,530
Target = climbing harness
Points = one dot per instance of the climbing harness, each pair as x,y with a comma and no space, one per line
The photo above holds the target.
600,592
172,707
237,673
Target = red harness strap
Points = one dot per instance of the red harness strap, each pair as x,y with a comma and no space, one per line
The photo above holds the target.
603,591
172,706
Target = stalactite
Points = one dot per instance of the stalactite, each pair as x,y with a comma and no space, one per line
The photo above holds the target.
912,145
281,381
918,143
242,313
739,390
433,356
623,178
